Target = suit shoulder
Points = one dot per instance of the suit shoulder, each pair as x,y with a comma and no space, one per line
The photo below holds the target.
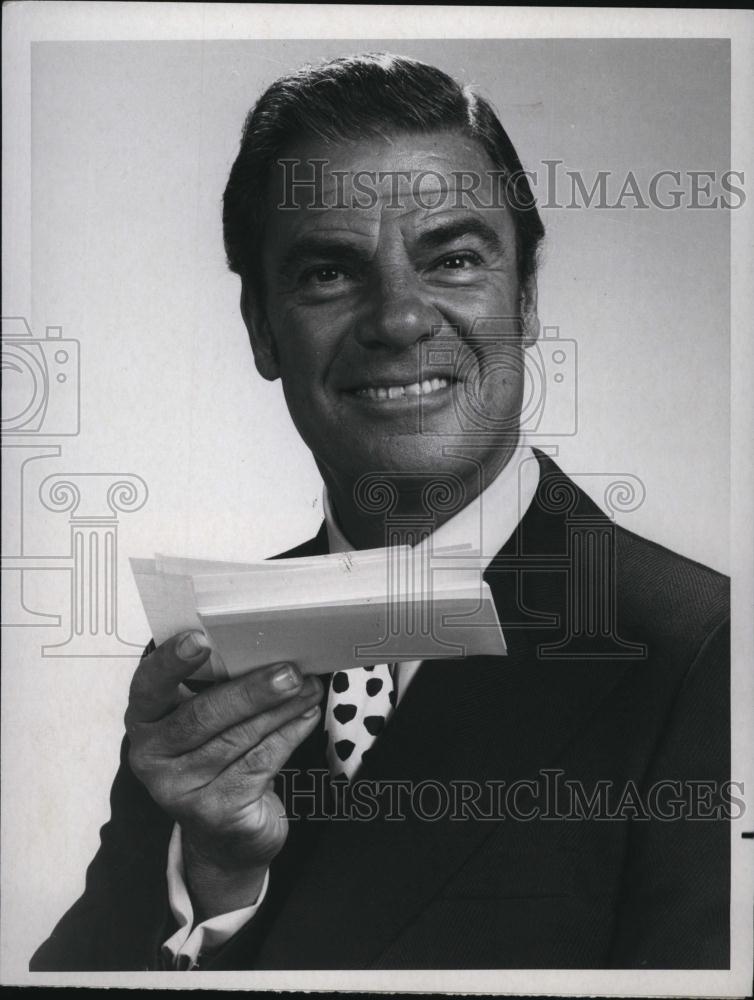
659,593
680,596
315,546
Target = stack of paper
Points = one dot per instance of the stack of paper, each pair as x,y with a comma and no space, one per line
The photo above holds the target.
325,613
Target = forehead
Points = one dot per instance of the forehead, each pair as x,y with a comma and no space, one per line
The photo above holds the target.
367,184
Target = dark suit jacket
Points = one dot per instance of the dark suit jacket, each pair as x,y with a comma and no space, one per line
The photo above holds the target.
632,690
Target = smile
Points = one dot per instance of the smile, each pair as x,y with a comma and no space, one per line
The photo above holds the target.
425,388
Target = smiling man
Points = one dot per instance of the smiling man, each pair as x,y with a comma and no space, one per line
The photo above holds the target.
351,292
561,806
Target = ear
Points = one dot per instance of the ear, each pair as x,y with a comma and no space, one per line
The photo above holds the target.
260,334
529,315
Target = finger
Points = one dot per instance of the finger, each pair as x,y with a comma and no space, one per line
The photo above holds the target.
155,684
248,776
212,712
208,760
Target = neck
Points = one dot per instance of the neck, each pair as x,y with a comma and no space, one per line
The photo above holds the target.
401,509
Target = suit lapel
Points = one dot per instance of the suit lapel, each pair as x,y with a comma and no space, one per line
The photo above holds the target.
478,720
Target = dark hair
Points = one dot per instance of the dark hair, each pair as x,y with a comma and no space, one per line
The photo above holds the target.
373,94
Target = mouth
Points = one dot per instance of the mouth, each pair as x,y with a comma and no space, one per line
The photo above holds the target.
411,390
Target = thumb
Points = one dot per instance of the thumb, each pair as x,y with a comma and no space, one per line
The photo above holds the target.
155,684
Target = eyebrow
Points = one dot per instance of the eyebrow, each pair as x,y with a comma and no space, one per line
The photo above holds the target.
455,229
342,251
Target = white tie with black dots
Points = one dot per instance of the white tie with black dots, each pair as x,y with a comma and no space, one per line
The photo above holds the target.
359,704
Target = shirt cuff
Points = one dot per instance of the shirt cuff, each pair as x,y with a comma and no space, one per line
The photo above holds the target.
183,949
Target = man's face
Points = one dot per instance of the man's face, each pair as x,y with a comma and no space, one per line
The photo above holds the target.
359,294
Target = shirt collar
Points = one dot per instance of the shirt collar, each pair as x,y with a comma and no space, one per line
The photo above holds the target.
483,526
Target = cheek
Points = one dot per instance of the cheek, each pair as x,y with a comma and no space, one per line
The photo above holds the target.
305,354
507,300
311,342
487,311
298,345
500,374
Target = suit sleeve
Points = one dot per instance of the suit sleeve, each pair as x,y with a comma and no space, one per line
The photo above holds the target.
123,916
675,902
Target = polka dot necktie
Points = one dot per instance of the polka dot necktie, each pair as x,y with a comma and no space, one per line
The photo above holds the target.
358,706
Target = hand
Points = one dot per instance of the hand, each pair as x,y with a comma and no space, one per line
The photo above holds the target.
210,760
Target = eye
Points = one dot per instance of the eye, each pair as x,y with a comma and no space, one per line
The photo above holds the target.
325,275
461,267
323,281
459,261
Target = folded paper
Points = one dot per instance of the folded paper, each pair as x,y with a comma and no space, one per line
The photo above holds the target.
325,613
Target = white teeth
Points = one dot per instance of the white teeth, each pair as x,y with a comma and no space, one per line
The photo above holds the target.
399,391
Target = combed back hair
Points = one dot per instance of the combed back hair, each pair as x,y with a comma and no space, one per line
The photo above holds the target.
369,95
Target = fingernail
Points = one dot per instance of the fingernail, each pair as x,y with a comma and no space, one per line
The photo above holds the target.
286,678
310,712
191,645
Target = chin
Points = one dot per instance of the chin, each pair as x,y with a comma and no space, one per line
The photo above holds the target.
426,458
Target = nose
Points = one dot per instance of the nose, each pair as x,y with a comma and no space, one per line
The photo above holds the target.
396,312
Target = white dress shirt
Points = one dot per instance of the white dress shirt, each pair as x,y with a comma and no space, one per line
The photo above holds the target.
480,530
